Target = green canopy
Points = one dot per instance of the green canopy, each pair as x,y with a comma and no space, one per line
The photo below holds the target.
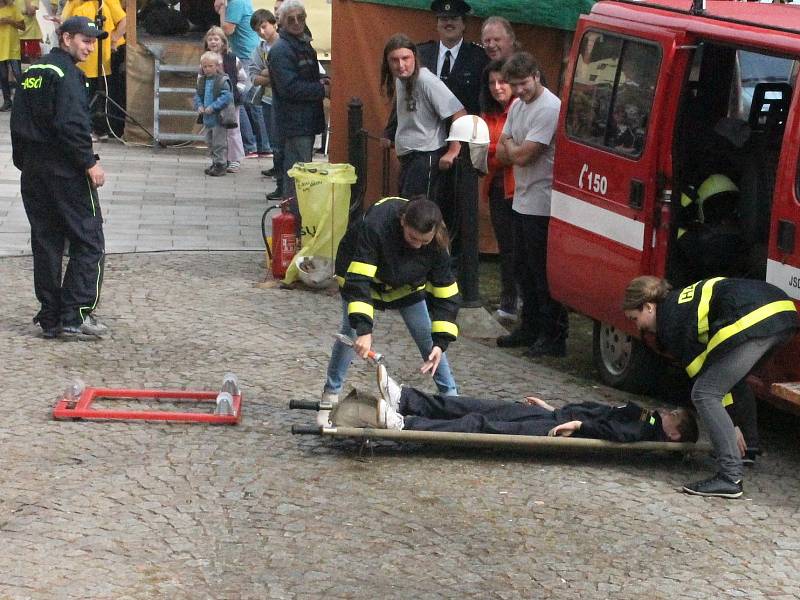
559,14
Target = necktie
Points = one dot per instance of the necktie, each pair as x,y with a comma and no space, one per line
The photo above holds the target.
446,66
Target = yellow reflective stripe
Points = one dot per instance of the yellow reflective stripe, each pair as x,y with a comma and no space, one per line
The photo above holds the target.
729,331
382,200
361,308
444,327
360,268
392,295
50,67
727,399
702,309
447,291
339,280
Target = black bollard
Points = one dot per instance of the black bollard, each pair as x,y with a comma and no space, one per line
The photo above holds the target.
356,154
466,183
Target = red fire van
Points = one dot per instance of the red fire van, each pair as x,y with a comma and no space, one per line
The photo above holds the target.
657,97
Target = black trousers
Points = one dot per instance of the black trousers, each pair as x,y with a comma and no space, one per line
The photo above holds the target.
502,219
419,174
426,412
541,315
59,209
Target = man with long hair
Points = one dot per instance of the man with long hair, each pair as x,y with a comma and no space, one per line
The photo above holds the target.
423,104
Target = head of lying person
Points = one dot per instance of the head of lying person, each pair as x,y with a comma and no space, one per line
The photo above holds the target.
423,224
679,425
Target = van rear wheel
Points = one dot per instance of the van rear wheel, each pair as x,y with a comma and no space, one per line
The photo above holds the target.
623,361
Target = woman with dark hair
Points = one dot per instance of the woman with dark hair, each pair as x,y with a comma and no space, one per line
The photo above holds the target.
397,257
718,329
498,185
423,103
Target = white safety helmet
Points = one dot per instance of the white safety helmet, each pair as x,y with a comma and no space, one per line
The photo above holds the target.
315,271
471,129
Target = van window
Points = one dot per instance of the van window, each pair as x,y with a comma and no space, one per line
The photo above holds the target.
752,69
612,92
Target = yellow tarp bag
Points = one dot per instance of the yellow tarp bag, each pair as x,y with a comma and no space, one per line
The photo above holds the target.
323,195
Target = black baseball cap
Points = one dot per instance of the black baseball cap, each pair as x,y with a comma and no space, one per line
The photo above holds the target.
82,25
450,8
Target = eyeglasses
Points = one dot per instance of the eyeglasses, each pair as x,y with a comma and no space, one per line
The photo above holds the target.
295,18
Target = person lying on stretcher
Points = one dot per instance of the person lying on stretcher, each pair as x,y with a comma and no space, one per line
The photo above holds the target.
404,407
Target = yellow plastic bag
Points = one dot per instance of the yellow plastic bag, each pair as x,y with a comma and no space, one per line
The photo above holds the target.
323,195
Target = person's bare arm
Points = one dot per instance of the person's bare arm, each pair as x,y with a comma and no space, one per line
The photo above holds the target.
453,149
565,429
118,32
523,154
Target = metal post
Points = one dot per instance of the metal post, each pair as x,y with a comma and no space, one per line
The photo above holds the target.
467,199
356,153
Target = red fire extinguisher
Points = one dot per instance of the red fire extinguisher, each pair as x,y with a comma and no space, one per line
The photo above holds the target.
284,238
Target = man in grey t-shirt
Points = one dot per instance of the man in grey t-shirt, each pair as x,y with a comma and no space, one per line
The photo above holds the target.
527,142
423,104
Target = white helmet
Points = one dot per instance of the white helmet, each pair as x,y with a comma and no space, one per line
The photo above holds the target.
314,271
471,129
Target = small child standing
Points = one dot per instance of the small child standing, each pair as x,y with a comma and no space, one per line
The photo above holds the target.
11,23
212,95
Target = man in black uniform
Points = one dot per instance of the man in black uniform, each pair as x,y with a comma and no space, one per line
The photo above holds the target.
52,146
458,63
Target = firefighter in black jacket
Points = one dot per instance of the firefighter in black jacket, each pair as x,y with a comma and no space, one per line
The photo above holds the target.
718,329
52,146
397,257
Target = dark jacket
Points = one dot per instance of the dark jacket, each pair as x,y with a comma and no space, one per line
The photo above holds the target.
377,269
297,92
465,73
50,122
629,423
705,320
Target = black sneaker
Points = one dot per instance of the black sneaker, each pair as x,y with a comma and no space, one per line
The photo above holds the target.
546,346
749,458
6,106
218,171
51,333
719,485
208,170
269,172
275,196
516,339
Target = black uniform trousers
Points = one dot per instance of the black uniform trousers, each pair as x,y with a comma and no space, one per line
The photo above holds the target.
541,315
59,209
419,173
425,412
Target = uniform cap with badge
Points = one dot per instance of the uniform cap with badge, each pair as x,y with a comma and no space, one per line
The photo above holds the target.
450,8
83,26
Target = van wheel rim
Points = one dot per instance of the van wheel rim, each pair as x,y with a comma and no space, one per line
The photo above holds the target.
615,349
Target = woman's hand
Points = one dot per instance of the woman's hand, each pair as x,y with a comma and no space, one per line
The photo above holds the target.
740,443
434,358
565,429
363,345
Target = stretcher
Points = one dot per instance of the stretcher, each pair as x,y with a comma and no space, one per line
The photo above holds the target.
367,435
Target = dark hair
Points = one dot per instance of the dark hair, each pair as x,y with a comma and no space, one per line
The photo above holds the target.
487,101
262,15
687,426
397,41
521,66
424,216
645,288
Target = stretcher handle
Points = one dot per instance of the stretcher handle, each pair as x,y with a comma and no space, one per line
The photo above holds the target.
306,430
304,404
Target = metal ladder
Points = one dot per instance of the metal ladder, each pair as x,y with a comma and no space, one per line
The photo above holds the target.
158,112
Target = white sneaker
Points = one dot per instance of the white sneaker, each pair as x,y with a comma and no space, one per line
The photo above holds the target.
502,315
388,387
388,417
324,416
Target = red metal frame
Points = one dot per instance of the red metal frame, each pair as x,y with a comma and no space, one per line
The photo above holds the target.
81,408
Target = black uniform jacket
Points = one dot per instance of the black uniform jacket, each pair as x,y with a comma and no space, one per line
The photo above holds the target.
703,321
50,124
628,423
465,73
377,269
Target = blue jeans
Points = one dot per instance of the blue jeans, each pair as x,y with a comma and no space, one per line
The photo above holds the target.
246,129
259,127
418,321
296,149
276,142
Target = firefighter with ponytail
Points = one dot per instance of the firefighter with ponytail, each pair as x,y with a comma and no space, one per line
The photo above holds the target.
397,257
718,329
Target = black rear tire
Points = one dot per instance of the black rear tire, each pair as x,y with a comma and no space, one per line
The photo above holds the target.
623,361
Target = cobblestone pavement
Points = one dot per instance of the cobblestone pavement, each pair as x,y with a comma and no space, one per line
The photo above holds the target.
151,510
